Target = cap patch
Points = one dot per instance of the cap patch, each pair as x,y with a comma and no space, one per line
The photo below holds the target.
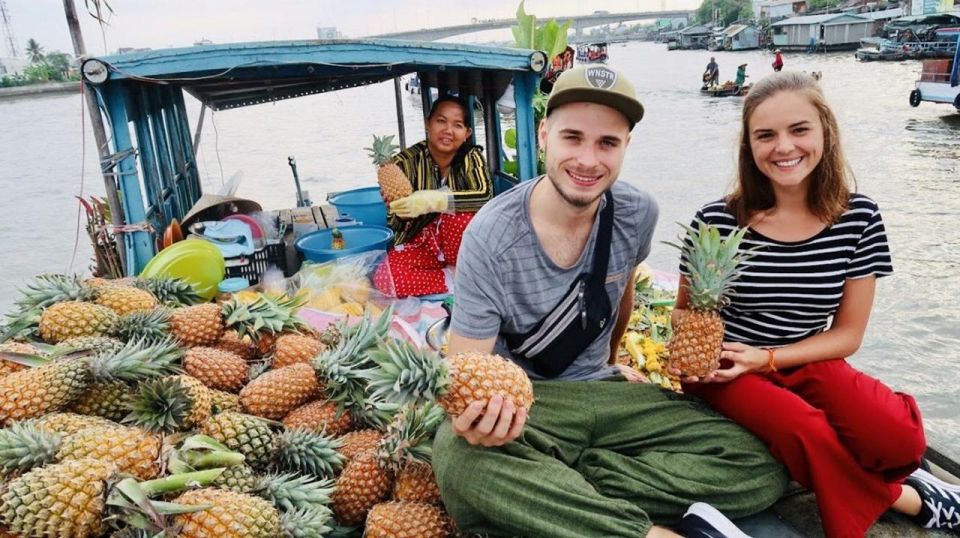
600,77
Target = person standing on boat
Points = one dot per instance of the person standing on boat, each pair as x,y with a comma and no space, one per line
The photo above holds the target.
741,76
777,61
800,307
450,183
712,74
543,270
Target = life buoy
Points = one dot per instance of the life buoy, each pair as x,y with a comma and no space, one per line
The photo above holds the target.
915,98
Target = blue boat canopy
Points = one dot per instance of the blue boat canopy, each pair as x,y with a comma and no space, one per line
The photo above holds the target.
240,74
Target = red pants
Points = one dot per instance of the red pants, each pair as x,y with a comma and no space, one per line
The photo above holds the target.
416,267
841,433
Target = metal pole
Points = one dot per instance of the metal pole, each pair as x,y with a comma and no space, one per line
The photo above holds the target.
99,133
196,136
400,126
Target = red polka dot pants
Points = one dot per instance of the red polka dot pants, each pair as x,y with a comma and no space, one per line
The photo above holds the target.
416,267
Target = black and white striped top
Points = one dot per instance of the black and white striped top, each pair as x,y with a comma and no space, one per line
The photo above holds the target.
788,291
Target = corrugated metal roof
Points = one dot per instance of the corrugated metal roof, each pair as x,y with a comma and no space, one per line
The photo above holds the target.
830,18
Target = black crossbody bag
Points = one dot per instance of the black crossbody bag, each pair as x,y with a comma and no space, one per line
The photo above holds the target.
578,319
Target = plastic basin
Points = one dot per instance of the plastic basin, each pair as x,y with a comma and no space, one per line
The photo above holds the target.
315,246
364,204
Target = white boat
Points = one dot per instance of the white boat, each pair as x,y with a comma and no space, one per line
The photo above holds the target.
939,81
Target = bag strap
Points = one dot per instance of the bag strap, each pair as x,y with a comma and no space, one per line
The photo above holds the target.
601,251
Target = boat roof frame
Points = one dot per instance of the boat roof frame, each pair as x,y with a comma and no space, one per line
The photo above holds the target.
140,94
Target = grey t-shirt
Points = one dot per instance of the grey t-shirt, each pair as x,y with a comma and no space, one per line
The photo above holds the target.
506,283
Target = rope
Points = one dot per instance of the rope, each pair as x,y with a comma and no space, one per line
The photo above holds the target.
83,163
130,228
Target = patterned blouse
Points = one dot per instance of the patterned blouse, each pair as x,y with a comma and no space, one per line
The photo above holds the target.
467,178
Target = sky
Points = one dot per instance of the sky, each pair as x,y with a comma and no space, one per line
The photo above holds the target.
176,23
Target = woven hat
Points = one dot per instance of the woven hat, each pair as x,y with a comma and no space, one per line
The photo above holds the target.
215,207
596,84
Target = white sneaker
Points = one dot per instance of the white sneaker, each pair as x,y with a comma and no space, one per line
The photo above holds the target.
705,521
940,501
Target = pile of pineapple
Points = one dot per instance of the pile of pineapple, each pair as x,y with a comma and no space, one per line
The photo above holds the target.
644,344
129,410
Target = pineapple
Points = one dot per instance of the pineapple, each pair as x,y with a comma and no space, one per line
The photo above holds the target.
711,263
416,483
221,401
402,519
77,499
43,292
277,392
110,400
319,416
362,484
244,347
336,240
68,423
133,451
368,478
172,403
75,318
53,386
215,368
7,367
246,434
394,184
200,325
98,344
358,442
454,383
125,300
237,478
238,515
295,348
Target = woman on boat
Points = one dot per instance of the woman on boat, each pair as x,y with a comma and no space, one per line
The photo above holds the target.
450,183
819,251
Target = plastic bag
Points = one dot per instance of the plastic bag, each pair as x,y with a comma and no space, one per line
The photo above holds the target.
343,286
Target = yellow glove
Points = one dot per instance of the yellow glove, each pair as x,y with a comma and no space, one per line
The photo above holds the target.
420,203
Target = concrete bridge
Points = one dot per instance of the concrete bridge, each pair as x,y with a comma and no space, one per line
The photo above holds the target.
580,22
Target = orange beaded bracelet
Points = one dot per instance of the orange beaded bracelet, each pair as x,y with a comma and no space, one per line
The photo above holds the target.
770,362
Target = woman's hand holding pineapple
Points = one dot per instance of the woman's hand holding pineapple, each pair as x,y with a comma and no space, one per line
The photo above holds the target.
495,423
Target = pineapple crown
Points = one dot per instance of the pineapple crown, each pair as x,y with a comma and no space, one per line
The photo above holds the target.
48,289
137,360
303,451
291,492
161,405
306,523
406,437
151,324
712,262
382,150
404,373
336,233
170,291
265,314
23,447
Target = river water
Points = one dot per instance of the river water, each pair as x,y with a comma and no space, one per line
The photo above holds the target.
907,159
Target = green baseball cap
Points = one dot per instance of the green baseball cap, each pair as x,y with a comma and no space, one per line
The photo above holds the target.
600,84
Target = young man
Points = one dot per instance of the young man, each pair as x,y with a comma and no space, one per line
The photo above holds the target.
542,274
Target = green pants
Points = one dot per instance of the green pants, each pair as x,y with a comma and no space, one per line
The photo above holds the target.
604,459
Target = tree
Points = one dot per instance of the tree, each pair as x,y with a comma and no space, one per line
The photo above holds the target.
34,51
730,11
816,5
60,62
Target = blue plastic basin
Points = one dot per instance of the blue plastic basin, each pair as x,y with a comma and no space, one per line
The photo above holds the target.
315,246
364,204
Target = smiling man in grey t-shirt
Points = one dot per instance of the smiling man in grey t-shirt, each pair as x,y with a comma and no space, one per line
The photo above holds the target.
541,278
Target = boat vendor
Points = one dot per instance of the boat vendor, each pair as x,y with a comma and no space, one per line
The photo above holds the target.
543,271
450,183
711,75
741,76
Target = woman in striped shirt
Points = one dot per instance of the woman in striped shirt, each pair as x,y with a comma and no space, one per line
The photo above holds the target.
450,184
800,307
